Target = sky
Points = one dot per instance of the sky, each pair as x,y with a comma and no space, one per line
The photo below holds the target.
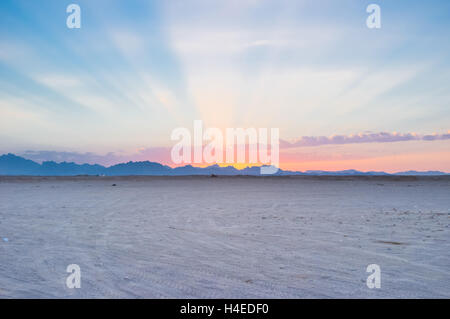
342,95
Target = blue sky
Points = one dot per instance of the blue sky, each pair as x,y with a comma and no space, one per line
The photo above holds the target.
138,69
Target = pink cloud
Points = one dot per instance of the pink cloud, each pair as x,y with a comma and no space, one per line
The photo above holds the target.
162,154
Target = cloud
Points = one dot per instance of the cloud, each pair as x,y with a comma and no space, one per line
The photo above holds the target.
381,137
129,43
58,81
162,154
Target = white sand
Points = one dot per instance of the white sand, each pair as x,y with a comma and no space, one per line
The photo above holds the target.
234,237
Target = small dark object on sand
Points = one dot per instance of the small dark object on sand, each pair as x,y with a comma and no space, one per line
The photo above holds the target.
113,185
390,242
213,175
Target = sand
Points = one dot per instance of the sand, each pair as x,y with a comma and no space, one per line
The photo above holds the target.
225,237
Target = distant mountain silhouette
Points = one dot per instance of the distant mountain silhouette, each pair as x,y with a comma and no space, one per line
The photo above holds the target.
11,164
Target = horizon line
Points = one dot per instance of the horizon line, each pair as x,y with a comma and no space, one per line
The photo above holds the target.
230,166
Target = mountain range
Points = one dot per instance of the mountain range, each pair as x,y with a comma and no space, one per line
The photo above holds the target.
11,164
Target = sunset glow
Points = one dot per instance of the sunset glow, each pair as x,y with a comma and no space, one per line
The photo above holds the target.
114,89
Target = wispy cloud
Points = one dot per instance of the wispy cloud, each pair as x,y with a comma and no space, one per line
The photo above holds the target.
382,137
